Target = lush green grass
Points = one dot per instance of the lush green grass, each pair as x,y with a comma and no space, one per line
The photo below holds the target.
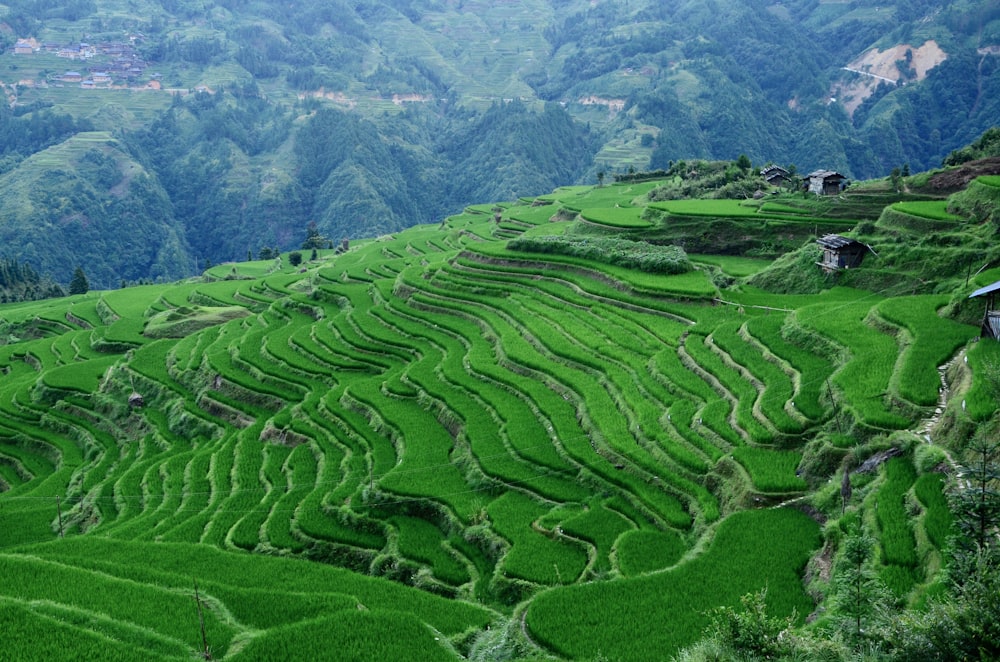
936,210
896,535
644,550
739,267
721,208
534,556
981,399
653,616
938,521
935,340
616,217
771,470
776,385
147,608
780,208
864,380
182,322
601,527
692,284
702,350
580,197
354,634
531,214
420,540
84,377
143,567
813,370
495,426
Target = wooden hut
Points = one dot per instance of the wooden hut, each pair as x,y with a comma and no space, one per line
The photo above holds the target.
774,175
990,328
840,252
824,182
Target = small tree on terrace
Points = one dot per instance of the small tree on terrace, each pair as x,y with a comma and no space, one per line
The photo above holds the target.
79,283
751,631
858,593
314,239
975,500
793,183
896,179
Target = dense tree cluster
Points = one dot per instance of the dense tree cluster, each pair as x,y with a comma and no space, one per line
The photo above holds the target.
24,134
711,179
20,282
985,146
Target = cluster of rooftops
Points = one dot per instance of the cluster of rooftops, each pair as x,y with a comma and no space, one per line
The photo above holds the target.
820,182
120,60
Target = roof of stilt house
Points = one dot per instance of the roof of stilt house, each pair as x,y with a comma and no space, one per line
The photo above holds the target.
989,289
835,241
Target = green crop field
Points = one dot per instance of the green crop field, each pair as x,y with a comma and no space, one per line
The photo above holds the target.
708,208
402,450
936,210
621,217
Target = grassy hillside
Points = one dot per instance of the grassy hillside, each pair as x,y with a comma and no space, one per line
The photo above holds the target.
441,443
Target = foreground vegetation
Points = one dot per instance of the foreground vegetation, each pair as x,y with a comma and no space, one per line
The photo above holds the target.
442,443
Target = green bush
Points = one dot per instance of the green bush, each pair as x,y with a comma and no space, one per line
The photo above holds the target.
619,252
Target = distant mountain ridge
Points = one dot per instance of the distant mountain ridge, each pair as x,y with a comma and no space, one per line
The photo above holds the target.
249,119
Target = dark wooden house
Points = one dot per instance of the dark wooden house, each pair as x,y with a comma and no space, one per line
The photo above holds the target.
824,182
990,328
774,175
840,252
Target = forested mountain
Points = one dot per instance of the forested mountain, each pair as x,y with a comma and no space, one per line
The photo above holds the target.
212,129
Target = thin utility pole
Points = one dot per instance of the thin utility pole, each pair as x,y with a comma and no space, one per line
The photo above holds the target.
59,512
836,414
205,653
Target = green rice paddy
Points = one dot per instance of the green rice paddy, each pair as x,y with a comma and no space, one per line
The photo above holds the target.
405,444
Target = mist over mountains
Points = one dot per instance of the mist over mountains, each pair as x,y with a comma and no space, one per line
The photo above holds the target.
144,140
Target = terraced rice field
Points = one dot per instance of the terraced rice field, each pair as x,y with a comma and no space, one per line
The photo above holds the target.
401,445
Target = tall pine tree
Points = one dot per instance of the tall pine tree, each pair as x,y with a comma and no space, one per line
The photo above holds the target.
79,283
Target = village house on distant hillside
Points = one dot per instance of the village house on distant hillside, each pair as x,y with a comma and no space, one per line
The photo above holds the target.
824,182
116,63
25,47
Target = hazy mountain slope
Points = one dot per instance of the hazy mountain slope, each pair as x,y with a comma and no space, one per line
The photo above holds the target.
85,202
415,86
